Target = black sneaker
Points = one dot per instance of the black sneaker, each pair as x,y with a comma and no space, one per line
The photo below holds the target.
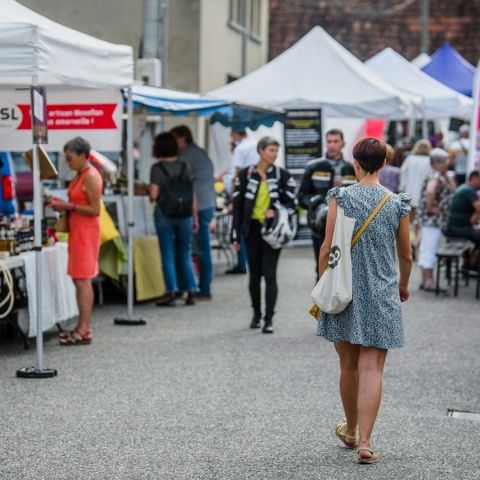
255,323
190,298
203,296
236,271
167,300
267,327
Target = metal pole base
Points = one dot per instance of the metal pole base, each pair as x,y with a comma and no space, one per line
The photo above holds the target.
34,372
131,322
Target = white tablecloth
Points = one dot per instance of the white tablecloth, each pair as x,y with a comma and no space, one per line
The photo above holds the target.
58,292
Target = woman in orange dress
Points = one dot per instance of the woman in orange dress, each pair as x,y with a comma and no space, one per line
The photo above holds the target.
83,207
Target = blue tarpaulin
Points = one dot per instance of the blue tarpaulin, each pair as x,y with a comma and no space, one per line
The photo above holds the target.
243,118
450,68
162,100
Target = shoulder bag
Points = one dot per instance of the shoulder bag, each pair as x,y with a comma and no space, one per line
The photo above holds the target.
333,292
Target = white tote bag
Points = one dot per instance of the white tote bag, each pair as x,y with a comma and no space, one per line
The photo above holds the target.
333,291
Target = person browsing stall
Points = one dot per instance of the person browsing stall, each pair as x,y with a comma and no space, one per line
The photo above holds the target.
201,168
83,209
175,218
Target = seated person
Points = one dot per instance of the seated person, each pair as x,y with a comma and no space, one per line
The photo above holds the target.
465,210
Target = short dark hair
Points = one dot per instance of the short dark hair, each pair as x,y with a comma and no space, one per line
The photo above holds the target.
165,145
473,174
370,153
79,146
335,131
183,131
265,142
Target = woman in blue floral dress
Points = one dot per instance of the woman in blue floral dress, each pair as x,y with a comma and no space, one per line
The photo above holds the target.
372,323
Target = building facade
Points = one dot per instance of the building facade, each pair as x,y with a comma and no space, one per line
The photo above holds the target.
365,27
203,37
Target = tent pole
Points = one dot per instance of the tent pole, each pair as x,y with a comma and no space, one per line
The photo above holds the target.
472,153
129,320
424,128
39,371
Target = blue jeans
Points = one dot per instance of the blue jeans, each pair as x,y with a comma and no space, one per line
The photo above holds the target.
175,238
204,251
242,254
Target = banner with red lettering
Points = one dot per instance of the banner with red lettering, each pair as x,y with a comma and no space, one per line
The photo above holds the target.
93,114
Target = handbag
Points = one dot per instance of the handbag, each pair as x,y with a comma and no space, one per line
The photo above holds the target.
333,292
62,223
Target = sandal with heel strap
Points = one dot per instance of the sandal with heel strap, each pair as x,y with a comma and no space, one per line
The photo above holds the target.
372,458
347,440
68,339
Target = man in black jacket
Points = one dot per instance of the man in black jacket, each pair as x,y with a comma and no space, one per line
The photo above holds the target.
320,176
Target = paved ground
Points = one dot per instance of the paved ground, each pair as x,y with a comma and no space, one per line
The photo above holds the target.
197,395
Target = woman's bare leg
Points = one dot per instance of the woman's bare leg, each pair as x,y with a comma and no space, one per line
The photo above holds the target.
85,304
348,354
370,369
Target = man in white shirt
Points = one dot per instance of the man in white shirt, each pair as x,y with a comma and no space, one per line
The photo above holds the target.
245,154
245,150
458,154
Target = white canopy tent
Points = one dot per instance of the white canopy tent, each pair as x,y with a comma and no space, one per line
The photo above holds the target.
34,46
37,51
317,72
439,101
421,60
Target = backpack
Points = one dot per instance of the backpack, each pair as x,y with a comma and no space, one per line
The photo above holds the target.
176,197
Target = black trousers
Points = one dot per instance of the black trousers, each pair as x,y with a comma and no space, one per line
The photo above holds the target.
262,262
317,243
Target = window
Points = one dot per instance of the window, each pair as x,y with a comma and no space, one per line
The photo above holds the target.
235,13
255,26
254,21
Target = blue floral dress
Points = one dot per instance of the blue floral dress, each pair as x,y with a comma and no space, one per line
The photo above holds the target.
374,317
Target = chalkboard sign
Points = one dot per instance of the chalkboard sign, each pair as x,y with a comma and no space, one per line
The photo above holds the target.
303,137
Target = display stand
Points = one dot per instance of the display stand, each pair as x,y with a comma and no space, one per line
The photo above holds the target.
39,371
130,320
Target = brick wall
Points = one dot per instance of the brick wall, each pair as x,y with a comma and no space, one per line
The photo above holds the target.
367,27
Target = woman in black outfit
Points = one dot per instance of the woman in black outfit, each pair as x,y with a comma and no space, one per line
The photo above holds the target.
258,190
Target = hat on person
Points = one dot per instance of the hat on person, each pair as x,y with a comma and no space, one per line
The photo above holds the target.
438,155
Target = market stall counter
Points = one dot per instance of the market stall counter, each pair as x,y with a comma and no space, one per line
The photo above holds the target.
58,292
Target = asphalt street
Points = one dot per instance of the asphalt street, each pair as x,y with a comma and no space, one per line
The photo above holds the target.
195,394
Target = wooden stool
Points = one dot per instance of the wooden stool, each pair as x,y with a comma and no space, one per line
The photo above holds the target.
448,254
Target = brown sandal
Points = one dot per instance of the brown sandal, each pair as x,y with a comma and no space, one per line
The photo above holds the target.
68,339
347,440
371,458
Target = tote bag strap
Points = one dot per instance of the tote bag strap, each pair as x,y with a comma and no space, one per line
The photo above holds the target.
380,205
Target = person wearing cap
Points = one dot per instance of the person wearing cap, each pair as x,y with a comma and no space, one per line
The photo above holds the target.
433,212
320,176
458,154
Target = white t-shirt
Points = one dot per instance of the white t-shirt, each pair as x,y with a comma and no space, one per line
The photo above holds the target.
413,173
245,154
460,149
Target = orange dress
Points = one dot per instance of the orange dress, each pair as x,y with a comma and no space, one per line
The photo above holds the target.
83,231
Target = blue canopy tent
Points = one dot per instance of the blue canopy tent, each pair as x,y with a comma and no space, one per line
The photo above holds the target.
162,100
450,68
